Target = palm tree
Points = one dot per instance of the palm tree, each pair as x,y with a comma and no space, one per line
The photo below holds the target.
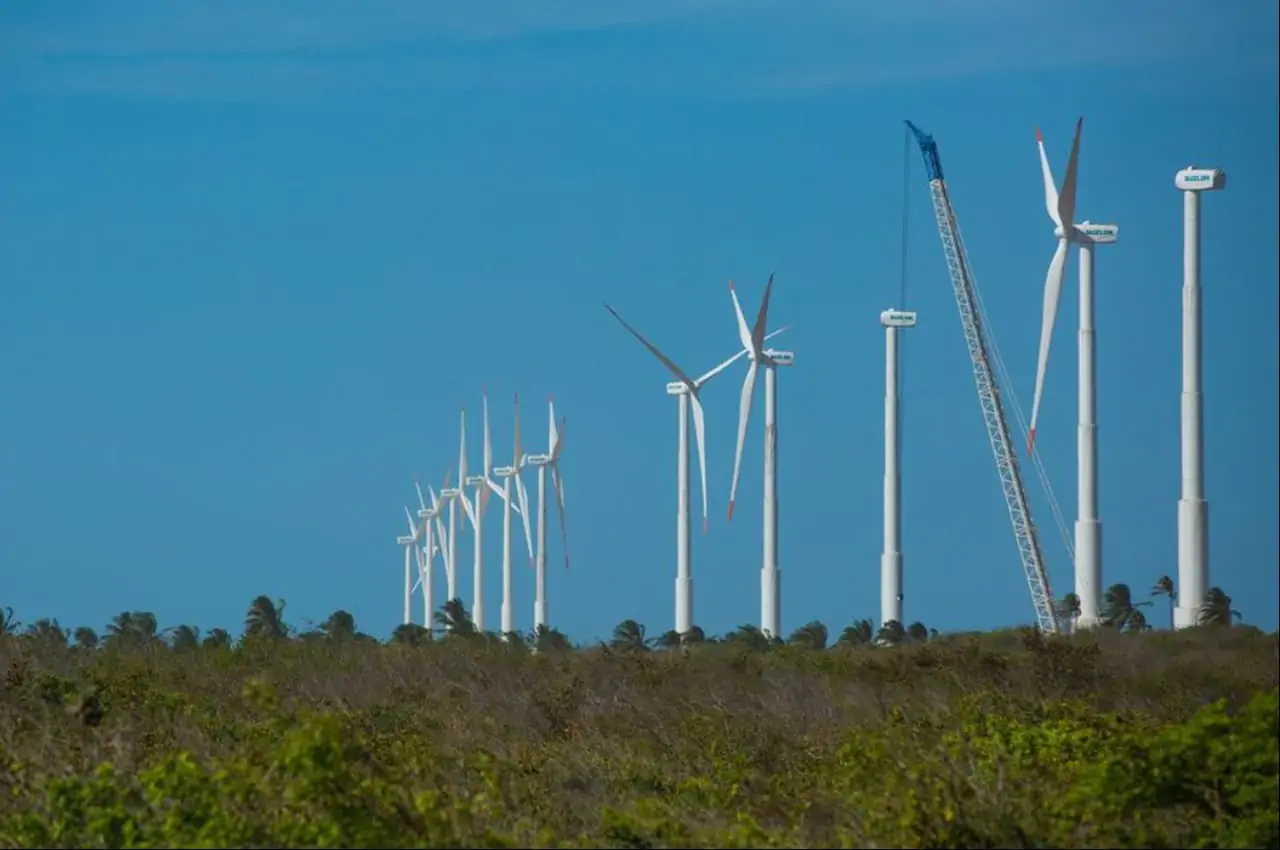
918,632
410,634
1164,587
749,636
86,638
693,637
454,619
547,639
134,629
1137,622
858,633
670,639
812,635
217,639
265,619
340,625
47,632
1216,609
1068,611
184,637
1118,607
629,635
8,625
891,633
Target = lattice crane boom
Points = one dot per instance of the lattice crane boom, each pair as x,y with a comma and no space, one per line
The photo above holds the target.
1006,457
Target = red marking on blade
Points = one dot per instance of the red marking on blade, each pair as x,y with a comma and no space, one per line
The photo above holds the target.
730,284
1031,441
730,511
704,525
1039,137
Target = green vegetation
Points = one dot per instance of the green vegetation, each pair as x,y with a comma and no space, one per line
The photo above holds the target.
1121,737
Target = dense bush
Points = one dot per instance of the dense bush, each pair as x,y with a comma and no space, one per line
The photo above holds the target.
1002,740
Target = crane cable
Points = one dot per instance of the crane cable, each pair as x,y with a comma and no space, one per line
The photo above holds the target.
902,276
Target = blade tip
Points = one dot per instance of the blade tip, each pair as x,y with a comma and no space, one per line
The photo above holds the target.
731,502
1039,136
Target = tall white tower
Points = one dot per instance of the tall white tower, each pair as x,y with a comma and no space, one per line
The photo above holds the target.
891,554
1088,529
1193,510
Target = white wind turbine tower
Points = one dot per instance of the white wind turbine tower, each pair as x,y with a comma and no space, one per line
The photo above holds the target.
1193,509
434,539
509,474
753,340
451,496
475,507
551,461
686,391
1088,528
408,541
891,555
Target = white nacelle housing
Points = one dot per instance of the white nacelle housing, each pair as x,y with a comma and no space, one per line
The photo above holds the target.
676,388
1099,234
898,318
1194,179
781,358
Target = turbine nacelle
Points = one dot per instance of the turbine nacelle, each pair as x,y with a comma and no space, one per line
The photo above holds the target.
537,459
779,358
1192,179
406,540
1096,234
450,492
677,388
427,513
505,471
898,318
475,481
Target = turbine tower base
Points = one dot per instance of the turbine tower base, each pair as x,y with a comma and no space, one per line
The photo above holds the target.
1088,572
684,605
539,613
508,621
891,587
771,603
1193,557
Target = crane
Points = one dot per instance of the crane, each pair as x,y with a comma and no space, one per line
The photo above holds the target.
993,414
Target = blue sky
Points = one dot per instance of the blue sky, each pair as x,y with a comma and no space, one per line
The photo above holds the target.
255,256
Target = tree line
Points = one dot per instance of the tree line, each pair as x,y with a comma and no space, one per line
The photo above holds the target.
264,621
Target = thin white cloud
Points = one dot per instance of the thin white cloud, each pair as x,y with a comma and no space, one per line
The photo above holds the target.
291,49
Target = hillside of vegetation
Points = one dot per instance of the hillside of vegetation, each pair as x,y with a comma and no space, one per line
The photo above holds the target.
1123,737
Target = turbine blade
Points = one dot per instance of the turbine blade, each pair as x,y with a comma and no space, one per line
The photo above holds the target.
488,454
467,508
518,450
554,436
431,493
418,488
699,431
557,483
1052,290
492,487
762,317
666,361
744,411
409,518
1067,199
735,358
462,450
744,332
522,495
1050,187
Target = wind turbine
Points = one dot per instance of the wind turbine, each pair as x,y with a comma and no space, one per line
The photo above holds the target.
753,340
550,460
891,555
475,507
433,543
451,496
1088,527
408,541
685,389
509,474
1193,509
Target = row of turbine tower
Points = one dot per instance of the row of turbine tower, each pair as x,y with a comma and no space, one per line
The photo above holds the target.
1192,507
686,389
428,537
433,533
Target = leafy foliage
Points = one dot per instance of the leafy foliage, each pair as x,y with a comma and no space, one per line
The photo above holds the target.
461,739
